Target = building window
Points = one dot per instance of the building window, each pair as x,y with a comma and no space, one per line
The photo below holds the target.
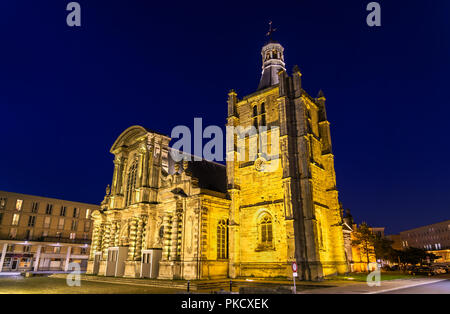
34,207
88,213
72,236
12,233
31,221
15,220
45,233
61,223
320,233
49,209
266,230
83,251
19,204
2,202
58,234
74,225
57,249
222,239
29,234
255,116
76,212
26,248
10,248
131,183
1,217
87,226
47,221
263,114
63,211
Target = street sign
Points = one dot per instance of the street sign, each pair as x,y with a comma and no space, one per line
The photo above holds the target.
294,274
294,267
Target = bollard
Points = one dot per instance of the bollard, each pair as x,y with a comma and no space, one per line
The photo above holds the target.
188,285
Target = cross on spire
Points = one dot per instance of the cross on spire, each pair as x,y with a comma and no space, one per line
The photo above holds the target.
271,30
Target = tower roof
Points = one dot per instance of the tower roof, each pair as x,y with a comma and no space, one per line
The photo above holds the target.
273,63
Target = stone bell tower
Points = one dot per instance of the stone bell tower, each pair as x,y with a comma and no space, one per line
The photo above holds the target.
291,212
272,61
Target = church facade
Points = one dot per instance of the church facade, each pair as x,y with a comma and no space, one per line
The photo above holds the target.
196,219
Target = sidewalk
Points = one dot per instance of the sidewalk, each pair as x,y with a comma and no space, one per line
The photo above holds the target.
363,287
40,272
303,287
203,286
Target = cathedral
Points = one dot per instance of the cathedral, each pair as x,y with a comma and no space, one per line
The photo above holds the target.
197,219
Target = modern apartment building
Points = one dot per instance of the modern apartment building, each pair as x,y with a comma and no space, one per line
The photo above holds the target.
43,234
430,237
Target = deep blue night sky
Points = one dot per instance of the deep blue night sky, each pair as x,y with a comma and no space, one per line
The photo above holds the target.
67,93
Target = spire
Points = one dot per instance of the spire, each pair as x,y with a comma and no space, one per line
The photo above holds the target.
272,59
320,94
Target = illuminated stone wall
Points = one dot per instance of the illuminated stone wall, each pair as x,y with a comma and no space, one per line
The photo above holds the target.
164,208
299,197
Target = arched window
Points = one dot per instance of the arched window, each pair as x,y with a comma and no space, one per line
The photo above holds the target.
266,230
131,183
320,233
255,116
263,114
222,239
255,111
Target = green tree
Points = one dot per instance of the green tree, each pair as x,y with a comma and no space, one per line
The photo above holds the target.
414,256
365,239
384,250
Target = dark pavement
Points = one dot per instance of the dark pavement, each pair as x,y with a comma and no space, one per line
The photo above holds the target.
442,287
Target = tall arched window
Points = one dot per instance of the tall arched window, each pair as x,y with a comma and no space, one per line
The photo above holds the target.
222,239
131,183
265,227
320,233
263,114
255,116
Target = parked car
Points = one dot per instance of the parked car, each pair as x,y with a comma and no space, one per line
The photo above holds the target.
421,270
440,269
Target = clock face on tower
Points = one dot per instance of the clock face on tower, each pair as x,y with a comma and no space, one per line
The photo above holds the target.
259,164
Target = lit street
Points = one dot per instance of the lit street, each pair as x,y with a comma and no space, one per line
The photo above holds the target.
442,287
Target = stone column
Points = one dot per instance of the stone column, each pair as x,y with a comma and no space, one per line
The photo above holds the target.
167,236
140,168
2,258
174,238
115,177
117,234
96,240
145,169
132,239
139,232
113,232
106,239
120,176
38,256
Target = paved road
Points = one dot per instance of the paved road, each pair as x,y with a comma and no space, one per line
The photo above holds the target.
442,287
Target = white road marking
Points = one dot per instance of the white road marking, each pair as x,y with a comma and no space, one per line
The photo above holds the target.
406,287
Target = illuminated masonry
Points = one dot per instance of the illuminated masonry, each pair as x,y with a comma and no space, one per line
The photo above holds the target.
198,219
